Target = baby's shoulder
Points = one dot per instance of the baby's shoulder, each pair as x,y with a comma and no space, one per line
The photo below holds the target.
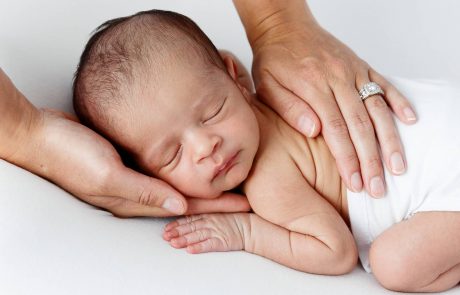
283,154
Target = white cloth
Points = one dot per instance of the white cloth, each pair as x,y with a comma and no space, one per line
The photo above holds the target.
432,179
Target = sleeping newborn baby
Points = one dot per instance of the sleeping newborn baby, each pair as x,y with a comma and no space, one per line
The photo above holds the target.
155,85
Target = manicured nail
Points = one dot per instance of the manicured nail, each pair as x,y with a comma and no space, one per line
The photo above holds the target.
377,189
410,115
306,125
356,182
397,163
173,205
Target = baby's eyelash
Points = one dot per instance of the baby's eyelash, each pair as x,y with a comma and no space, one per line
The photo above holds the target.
218,111
175,156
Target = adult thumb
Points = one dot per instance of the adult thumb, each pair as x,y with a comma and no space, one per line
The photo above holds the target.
147,191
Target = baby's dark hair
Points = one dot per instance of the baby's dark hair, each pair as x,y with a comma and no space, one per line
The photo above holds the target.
125,51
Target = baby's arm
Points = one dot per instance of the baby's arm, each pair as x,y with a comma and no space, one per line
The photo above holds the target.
299,228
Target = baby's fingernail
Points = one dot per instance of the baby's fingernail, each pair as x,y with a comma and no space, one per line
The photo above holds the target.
377,189
397,163
173,205
356,182
306,125
409,114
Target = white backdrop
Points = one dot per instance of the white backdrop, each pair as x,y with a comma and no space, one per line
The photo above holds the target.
51,243
40,41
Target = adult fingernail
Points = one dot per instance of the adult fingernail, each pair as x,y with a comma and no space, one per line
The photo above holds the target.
356,182
173,205
397,163
306,125
377,188
410,115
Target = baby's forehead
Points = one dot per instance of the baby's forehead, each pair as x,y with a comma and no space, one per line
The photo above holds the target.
193,81
181,91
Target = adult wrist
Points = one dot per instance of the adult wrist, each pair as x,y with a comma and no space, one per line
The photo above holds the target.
274,19
21,137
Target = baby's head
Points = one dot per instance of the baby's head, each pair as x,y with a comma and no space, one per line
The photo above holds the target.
155,86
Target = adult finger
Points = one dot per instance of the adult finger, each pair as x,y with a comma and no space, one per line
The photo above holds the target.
124,208
293,109
363,137
144,190
336,134
227,202
397,102
387,133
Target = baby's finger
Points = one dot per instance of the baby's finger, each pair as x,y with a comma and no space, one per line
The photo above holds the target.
209,245
191,238
181,221
184,229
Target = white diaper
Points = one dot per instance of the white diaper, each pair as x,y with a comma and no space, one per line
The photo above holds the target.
432,179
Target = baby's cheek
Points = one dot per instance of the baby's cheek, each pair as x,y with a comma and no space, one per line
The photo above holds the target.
192,185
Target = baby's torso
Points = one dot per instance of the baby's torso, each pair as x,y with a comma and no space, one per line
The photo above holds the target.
311,157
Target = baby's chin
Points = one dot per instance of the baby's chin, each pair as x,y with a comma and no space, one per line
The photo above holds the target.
213,192
215,189
208,194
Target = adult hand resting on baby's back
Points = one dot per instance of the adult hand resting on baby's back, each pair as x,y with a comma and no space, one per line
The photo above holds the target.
312,80
54,145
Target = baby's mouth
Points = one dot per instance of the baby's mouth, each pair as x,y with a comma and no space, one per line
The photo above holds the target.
227,165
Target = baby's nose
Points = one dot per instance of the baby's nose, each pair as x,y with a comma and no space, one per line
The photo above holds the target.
206,146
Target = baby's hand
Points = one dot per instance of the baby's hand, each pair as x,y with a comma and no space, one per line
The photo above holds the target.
208,232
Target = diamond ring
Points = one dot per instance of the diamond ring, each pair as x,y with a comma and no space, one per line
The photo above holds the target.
370,89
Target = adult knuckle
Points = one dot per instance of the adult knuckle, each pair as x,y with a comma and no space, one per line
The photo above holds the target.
147,197
311,69
338,126
350,158
373,163
340,70
290,108
362,123
392,138
347,162
377,103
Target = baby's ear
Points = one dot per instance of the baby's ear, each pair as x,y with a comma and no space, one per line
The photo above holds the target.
238,72
230,64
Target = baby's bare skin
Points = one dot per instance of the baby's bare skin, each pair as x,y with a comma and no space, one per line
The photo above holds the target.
296,199
301,219
284,230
